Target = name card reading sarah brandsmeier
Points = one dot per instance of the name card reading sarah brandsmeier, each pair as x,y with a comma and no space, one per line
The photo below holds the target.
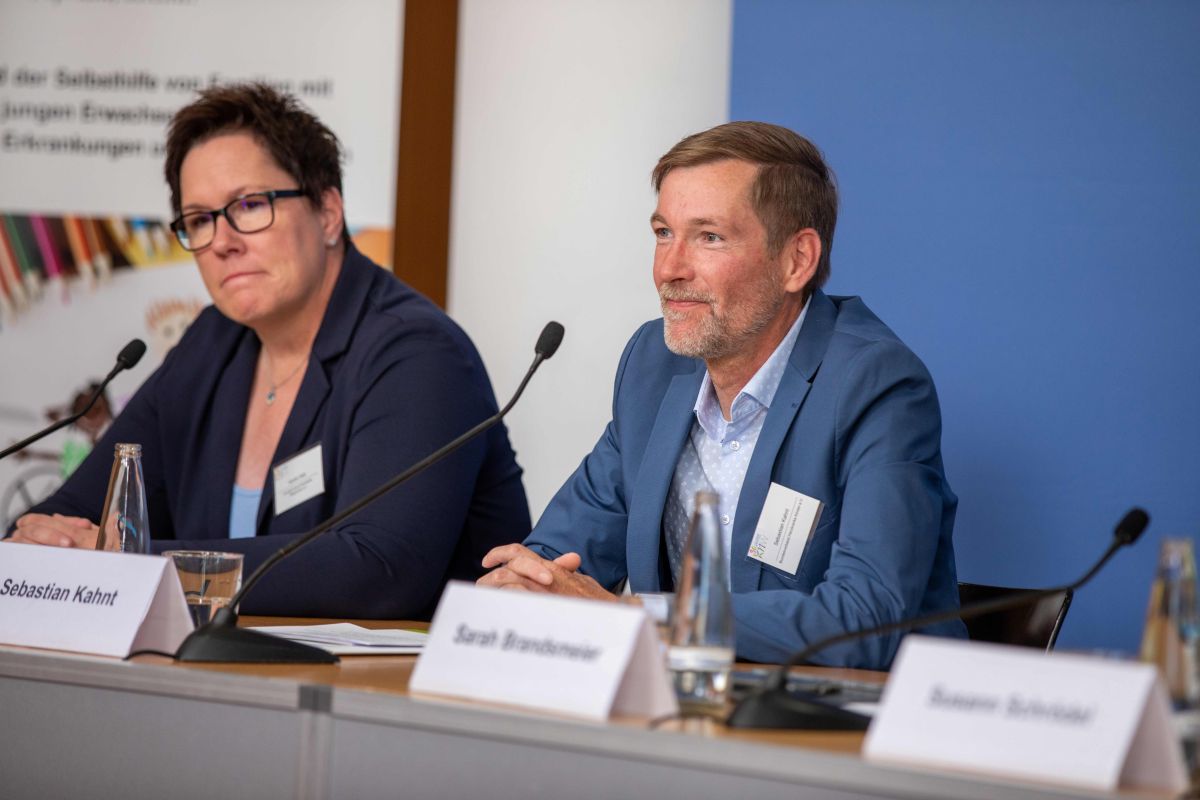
534,650
80,593
515,642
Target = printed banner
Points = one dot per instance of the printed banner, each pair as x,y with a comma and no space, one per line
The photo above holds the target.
87,262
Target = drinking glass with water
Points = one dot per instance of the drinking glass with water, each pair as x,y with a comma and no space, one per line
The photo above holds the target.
209,579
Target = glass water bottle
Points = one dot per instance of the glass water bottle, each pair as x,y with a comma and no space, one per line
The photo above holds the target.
1172,631
124,521
700,655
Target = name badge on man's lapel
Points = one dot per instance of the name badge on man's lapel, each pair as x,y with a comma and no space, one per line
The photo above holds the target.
299,478
788,518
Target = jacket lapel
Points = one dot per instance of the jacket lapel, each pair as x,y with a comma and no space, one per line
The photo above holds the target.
805,360
648,496
346,305
228,418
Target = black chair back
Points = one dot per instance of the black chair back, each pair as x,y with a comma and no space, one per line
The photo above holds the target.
1034,624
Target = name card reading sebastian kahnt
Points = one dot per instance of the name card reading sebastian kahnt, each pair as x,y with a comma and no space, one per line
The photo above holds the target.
1016,711
90,601
576,657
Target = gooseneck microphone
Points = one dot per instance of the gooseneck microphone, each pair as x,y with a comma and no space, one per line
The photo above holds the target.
129,356
773,706
222,640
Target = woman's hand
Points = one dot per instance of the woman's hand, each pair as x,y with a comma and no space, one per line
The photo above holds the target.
55,530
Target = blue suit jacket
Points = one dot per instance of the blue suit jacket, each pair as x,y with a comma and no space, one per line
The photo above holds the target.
391,379
855,423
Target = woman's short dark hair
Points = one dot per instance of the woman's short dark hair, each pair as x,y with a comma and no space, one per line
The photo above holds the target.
298,141
795,188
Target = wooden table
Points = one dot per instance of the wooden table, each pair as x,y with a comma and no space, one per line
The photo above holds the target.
390,675
85,726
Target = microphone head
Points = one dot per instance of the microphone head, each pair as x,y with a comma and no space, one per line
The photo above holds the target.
549,341
131,354
1131,526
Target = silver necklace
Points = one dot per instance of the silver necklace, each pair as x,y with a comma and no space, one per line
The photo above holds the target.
276,384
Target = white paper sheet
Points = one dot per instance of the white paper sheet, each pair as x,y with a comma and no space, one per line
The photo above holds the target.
348,639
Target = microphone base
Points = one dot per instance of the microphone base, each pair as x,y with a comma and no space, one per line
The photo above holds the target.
779,709
225,643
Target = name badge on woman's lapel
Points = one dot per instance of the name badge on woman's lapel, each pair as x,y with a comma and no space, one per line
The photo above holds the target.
299,478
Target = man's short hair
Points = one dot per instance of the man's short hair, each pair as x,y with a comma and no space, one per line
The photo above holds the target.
298,141
795,188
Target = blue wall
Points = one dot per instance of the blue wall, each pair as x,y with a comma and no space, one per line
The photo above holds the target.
1021,203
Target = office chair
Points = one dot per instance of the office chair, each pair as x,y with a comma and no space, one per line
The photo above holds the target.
1034,624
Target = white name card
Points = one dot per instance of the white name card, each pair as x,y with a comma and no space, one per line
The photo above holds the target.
787,520
1014,711
577,657
90,601
298,479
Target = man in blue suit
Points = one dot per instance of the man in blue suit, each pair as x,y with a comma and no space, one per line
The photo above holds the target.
756,382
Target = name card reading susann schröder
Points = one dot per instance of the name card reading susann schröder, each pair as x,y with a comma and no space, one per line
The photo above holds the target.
1016,711
90,601
577,657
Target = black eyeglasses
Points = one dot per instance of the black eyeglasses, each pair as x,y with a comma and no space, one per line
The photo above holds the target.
249,213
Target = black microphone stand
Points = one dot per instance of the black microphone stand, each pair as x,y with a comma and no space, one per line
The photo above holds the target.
129,356
222,640
773,706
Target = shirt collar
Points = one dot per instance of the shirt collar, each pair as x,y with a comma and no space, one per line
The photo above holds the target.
758,392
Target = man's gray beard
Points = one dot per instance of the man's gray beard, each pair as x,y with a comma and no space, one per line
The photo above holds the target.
713,340
710,340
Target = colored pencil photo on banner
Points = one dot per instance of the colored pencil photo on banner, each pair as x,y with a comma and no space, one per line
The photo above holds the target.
75,254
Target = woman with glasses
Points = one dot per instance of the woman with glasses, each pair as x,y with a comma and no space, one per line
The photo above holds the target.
314,377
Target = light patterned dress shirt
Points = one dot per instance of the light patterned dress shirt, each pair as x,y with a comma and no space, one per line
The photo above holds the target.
718,451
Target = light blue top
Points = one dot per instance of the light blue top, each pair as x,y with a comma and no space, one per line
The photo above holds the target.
243,512
719,450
